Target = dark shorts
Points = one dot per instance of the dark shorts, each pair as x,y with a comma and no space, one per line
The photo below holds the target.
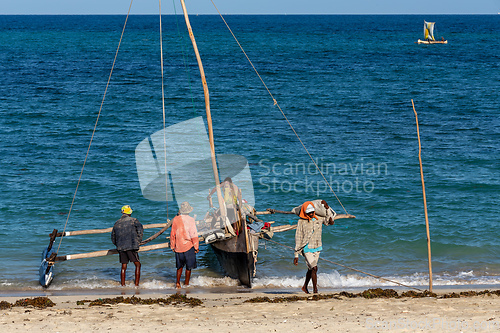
187,258
130,255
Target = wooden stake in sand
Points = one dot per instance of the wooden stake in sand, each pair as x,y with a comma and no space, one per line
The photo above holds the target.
425,201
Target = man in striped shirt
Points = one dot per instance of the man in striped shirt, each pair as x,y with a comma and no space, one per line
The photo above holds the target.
308,240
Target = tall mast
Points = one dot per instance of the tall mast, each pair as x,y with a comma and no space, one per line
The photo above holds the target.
222,205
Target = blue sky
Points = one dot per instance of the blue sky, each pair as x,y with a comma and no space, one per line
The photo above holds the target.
253,6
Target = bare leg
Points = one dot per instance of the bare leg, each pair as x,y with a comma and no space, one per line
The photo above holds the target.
314,278
123,273
137,272
308,278
188,276
178,280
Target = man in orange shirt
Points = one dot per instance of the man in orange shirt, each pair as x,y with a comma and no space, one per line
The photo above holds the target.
184,242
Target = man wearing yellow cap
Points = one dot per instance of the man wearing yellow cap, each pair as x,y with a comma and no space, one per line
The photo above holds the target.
126,235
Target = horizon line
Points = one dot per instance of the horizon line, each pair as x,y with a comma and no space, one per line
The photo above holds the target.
256,14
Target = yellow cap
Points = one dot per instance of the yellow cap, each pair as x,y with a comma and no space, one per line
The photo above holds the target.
127,210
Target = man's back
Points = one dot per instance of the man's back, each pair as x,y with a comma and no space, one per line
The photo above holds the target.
231,193
127,233
183,234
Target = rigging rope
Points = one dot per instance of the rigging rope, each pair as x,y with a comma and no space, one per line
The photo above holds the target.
169,224
353,269
95,126
163,109
283,113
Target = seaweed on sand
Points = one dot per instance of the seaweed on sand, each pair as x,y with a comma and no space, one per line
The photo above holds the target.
372,293
37,302
5,305
315,297
174,299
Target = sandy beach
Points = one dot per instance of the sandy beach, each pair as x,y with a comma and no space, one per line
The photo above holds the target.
221,312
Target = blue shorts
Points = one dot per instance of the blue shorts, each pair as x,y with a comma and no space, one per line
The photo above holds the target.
187,258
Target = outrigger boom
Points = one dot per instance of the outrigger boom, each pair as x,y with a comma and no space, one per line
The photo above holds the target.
102,253
287,227
103,231
274,211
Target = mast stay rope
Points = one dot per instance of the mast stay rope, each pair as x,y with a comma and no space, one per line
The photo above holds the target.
282,112
163,109
95,126
97,120
351,268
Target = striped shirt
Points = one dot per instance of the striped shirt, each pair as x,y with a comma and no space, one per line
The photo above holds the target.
308,234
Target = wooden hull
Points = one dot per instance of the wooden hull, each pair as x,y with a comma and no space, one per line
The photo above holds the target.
234,258
432,41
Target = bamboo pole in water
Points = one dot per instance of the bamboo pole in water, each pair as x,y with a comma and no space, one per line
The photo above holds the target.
103,231
337,217
425,200
109,252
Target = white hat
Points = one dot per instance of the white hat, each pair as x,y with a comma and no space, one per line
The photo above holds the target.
185,208
310,209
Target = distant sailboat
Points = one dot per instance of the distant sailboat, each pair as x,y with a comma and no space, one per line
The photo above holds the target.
429,35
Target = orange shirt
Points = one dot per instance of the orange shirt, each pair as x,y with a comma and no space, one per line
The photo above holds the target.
183,235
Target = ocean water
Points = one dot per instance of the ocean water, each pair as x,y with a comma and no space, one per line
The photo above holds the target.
344,82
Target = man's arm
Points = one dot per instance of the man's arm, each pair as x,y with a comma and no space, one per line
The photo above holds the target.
193,233
211,192
296,210
173,231
325,204
139,229
196,243
299,238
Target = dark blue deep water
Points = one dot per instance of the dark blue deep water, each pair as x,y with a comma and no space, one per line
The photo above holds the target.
344,82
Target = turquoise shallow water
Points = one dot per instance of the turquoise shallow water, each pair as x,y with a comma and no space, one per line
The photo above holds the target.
344,82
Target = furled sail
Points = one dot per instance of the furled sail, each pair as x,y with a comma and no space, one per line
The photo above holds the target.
429,30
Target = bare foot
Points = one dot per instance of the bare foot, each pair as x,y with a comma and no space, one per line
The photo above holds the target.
304,289
315,291
178,285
